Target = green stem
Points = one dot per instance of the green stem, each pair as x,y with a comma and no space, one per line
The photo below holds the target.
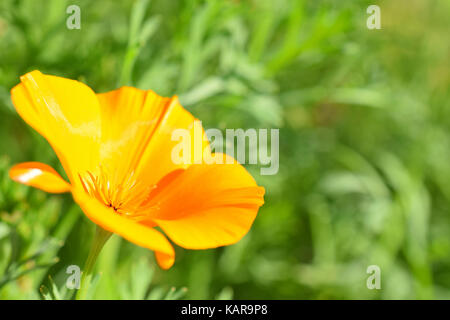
128,65
100,238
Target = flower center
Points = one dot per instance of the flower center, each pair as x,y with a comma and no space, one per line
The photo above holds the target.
125,196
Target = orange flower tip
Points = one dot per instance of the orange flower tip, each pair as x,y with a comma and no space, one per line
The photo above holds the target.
40,176
164,261
29,75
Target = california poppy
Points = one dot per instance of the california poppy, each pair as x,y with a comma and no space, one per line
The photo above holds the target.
115,148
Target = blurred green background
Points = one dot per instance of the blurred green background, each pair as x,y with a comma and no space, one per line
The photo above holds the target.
364,122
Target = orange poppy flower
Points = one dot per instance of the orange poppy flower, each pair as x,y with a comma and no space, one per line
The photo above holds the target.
115,148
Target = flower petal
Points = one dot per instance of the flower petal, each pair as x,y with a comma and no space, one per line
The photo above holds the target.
39,175
137,127
133,231
165,261
207,206
66,113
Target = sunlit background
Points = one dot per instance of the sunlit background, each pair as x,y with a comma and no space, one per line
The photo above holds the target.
364,121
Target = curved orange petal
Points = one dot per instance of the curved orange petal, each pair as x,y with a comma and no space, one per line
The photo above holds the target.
133,231
137,128
165,261
66,113
207,206
39,175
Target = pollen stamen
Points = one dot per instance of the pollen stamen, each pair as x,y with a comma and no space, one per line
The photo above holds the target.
128,198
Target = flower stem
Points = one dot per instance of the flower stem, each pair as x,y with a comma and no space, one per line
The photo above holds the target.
100,238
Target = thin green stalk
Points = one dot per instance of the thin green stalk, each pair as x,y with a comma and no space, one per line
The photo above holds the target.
100,238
